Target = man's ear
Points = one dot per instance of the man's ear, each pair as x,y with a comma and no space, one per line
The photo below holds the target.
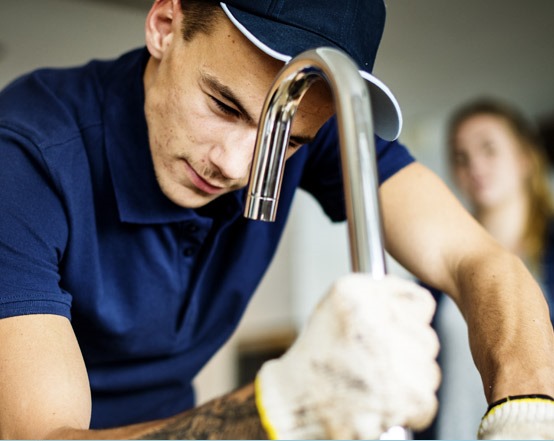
162,22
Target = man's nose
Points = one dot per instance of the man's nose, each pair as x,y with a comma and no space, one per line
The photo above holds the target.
233,155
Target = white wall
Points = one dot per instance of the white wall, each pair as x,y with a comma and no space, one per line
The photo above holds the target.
39,33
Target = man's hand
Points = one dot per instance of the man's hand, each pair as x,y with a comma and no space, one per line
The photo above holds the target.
364,363
522,417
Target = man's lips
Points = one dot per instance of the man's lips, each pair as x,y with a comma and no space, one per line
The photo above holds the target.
200,183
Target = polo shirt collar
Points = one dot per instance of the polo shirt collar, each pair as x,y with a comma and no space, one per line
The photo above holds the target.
137,193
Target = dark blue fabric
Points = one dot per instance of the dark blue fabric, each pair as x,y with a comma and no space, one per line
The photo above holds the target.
152,289
294,26
547,269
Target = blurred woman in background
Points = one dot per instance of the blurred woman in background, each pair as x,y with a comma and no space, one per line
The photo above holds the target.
501,170
500,167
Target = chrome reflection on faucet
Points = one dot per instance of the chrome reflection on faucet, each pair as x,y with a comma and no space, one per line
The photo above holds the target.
357,149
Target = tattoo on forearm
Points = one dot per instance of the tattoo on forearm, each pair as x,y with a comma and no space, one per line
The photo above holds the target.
233,416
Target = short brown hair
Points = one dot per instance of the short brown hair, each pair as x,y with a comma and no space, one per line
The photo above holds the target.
200,16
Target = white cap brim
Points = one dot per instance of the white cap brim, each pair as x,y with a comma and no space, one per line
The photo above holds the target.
387,116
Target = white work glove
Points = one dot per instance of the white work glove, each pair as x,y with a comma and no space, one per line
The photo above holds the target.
520,417
364,363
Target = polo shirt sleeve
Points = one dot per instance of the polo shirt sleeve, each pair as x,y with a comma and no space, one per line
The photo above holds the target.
33,232
322,175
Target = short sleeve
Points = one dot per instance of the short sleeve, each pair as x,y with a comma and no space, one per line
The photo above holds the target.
322,175
33,232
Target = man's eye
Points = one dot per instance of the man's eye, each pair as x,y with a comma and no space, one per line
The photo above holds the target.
225,108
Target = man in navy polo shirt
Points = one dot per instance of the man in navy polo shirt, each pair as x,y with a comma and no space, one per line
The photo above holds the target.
125,262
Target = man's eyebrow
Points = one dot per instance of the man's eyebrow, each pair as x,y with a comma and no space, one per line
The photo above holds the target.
214,84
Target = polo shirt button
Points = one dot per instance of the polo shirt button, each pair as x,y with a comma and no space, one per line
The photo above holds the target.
192,228
188,251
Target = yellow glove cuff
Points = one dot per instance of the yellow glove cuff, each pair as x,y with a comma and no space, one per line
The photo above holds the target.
496,406
271,432
519,417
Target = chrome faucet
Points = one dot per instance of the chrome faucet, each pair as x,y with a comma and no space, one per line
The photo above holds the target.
357,150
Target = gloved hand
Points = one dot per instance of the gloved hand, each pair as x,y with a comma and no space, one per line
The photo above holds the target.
520,417
365,362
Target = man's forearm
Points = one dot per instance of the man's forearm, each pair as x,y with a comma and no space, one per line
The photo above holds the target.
233,416
509,326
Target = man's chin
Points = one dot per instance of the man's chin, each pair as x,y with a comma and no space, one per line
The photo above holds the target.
188,198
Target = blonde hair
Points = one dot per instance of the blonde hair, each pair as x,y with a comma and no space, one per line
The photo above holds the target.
541,207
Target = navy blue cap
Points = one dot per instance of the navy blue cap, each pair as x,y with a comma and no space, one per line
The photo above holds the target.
285,28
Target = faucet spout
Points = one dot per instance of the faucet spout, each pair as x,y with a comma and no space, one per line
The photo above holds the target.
357,149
